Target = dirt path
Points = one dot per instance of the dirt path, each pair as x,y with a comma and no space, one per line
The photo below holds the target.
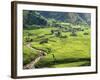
41,54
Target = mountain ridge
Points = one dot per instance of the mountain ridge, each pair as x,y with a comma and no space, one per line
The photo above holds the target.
42,17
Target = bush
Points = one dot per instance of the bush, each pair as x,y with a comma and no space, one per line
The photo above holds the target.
41,36
44,41
57,33
63,36
86,33
30,34
47,50
73,34
27,39
82,30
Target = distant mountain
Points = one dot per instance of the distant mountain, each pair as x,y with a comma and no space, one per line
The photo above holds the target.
70,17
42,17
86,17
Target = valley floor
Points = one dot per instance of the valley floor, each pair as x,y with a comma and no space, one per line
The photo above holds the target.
69,51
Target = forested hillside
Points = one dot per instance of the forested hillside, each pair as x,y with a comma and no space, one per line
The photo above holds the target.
45,17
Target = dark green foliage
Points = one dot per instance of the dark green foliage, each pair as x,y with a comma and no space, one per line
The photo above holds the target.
48,50
30,34
49,64
52,31
54,58
44,41
41,36
64,36
45,18
77,29
86,33
57,33
82,29
28,39
73,33
32,17
60,16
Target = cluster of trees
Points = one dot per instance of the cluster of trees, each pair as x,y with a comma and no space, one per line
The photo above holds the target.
32,17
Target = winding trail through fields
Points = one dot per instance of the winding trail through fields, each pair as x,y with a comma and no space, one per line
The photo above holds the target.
41,54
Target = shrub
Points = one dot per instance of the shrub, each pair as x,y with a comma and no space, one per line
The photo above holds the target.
63,36
30,34
86,33
41,36
57,33
82,29
44,41
73,34
28,39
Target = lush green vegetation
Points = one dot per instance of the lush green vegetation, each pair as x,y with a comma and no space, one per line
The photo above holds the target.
65,44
